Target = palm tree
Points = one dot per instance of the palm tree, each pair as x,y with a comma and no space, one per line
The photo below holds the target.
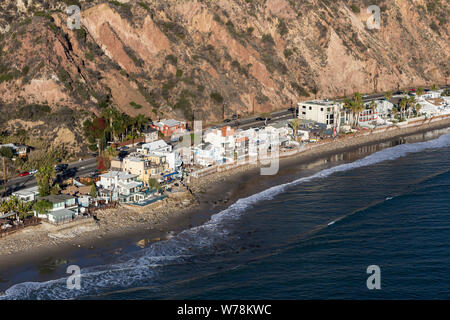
434,87
420,92
411,102
45,176
266,116
140,120
388,95
357,106
418,107
348,106
295,124
394,111
402,106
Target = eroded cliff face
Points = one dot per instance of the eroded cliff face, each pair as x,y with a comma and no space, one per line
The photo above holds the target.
176,57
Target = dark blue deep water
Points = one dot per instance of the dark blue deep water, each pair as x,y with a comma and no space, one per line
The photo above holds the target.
312,238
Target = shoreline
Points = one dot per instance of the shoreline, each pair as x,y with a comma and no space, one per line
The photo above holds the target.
213,193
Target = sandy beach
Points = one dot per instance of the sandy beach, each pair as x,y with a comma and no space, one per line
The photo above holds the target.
174,214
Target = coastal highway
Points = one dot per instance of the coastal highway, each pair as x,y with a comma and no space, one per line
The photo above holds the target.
75,169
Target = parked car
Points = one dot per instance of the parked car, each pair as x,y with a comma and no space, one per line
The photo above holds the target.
227,120
234,117
34,171
24,174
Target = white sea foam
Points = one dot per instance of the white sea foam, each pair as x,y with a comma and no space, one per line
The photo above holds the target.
195,241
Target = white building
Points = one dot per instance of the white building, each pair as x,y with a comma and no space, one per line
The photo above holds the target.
223,139
26,195
158,145
376,117
323,111
121,186
206,155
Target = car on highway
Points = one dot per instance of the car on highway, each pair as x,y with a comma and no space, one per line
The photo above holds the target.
61,167
24,174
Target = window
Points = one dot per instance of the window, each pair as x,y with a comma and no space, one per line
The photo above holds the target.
321,109
310,108
303,112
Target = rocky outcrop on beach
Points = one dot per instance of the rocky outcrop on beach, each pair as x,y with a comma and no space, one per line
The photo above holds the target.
173,57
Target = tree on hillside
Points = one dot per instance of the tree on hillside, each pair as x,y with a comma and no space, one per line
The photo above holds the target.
6,152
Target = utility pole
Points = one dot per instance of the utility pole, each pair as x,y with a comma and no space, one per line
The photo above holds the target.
4,177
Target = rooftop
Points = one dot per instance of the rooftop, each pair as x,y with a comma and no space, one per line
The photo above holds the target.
119,174
325,102
57,198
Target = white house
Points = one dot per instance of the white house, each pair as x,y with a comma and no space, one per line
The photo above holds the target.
205,155
222,139
376,117
120,186
26,195
173,158
323,111
158,145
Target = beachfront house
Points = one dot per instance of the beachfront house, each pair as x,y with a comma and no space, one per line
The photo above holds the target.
330,113
206,155
64,208
377,116
119,186
223,139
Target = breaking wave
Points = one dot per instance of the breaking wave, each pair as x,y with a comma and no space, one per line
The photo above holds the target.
143,267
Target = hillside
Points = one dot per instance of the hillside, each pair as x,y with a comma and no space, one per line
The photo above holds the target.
171,58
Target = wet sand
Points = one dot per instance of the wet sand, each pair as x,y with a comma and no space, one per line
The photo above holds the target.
213,194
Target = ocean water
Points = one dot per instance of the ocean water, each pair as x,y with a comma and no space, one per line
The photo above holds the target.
310,238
